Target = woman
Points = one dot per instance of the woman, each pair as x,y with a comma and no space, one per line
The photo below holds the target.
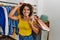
25,21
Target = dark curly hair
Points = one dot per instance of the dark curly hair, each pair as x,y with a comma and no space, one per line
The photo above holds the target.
22,7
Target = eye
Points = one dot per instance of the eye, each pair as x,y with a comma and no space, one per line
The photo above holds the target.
24,8
28,9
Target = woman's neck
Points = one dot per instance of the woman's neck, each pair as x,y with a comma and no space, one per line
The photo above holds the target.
26,17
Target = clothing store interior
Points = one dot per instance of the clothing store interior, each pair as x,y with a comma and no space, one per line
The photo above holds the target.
9,27
44,16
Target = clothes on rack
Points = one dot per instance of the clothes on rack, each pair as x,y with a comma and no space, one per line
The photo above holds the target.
6,24
4,20
12,23
4,11
45,34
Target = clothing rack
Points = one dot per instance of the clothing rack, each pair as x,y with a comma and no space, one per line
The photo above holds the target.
8,3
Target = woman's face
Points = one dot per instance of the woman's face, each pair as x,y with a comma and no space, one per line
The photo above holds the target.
26,11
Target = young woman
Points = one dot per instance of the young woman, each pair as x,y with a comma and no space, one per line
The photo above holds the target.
25,21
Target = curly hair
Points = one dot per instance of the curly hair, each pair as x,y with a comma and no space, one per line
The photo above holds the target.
22,7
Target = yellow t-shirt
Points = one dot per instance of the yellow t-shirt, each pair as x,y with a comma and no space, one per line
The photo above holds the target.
24,27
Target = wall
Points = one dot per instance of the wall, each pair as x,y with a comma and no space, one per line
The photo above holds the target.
40,7
52,9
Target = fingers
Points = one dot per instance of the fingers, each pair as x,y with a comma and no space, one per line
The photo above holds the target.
20,4
35,17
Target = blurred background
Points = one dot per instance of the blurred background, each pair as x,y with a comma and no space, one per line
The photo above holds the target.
51,8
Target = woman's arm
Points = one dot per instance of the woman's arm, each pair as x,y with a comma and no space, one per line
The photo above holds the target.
42,24
34,27
11,14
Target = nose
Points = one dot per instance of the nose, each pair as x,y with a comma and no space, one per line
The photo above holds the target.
25,10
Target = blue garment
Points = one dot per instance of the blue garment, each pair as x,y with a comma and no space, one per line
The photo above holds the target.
25,37
1,31
12,23
2,19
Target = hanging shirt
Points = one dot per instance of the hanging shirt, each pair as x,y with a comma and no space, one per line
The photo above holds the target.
6,24
4,20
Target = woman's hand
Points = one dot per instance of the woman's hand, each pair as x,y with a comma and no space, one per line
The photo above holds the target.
36,18
30,21
11,14
19,4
